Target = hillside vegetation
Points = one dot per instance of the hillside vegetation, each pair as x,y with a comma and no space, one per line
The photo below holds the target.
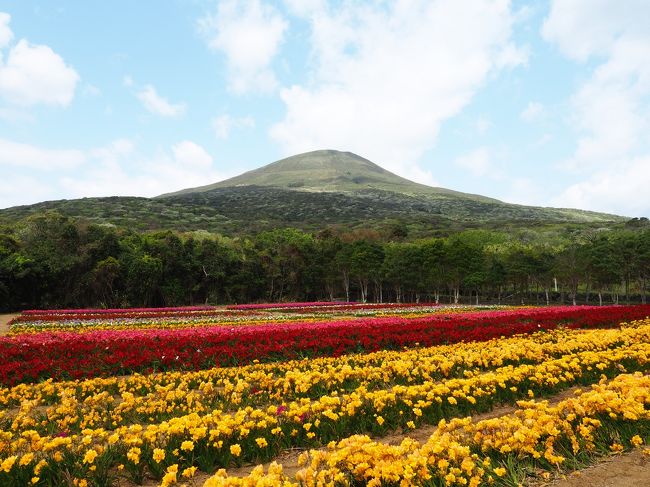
312,191
52,261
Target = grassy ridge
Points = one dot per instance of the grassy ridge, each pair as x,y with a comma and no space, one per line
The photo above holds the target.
311,191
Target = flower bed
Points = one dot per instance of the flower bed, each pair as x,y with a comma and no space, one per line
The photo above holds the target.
28,358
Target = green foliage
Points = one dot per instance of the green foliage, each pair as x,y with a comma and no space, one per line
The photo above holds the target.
50,260
321,225
312,191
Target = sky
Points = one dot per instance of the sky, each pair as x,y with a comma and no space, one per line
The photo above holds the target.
544,102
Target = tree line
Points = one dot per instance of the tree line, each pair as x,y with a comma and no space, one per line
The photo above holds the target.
52,261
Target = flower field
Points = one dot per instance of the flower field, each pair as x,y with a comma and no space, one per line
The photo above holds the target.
168,403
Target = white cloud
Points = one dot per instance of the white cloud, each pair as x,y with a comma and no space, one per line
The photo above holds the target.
35,74
533,111
249,33
117,148
18,155
127,81
384,77
158,105
120,169
116,169
478,161
621,189
525,191
512,56
611,110
6,35
584,28
224,124
24,190
190,155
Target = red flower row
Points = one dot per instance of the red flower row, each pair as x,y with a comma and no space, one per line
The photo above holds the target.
26,358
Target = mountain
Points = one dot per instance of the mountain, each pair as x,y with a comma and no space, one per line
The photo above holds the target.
313,191
329,171
325,173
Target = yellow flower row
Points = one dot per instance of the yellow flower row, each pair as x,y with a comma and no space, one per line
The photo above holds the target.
148,399
469,452
292,376
208,440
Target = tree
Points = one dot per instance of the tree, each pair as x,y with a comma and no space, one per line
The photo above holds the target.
104,278
464,263
432,254
366,261
403,268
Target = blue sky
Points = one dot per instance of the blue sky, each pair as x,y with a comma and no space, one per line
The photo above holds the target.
543,103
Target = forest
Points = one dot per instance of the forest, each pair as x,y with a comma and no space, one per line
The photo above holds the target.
48,260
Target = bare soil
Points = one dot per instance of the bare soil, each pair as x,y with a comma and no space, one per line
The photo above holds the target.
4,322
289,459
630,469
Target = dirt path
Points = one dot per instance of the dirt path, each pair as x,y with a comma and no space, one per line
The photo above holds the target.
4,322
630,469
289,459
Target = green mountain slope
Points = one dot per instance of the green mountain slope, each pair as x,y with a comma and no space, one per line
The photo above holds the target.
330,171
312,191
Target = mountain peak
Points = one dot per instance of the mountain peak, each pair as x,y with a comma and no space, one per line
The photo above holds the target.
328,170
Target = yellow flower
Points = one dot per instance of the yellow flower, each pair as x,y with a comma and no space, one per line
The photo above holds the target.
261,442
158,455
189,472
235,449
134,455
170,477
8,463
380,420
26,459
187,446
90,456
616,447
39,466
636,440
35,480
500,471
